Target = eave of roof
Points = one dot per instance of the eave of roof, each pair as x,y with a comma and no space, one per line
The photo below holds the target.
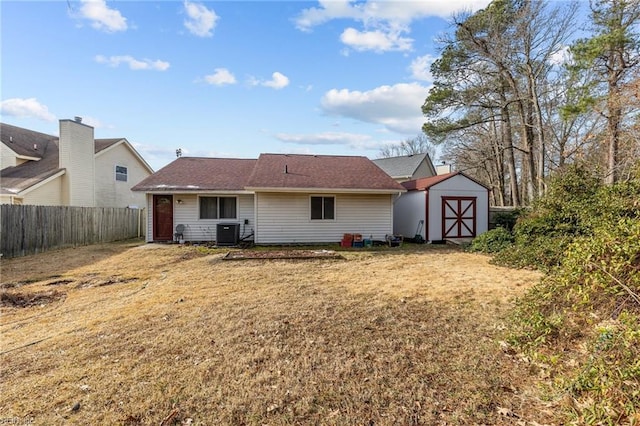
103,146
326,190
426,183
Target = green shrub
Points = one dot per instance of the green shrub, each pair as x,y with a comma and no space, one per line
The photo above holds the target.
507,219
538,253
586,311
492,241
542,235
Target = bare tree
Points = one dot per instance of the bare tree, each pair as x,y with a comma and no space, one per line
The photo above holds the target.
417,145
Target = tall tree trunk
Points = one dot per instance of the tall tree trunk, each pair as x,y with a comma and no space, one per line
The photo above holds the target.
507,134
498,163
540,149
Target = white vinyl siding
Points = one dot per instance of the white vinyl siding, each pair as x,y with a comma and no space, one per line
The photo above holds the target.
286,218
49,194
7,157
408,210
114,193
186,212
149,221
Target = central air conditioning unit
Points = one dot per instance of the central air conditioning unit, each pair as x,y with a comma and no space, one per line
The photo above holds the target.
227,234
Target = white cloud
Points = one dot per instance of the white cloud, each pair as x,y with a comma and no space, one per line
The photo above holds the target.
201,21
378,40
353,140
93,122
278,81
220,77
561,57
421,67
396,107
134,64
383,22
101,16
395,12
18,107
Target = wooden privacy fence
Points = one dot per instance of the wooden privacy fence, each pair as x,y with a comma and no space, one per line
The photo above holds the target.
30,229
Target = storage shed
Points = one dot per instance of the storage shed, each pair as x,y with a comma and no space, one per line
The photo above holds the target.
451,206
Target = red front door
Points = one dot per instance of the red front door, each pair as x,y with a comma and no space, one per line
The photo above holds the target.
162,217
458,217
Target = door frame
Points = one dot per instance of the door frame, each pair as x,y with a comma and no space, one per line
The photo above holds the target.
459,216
155,216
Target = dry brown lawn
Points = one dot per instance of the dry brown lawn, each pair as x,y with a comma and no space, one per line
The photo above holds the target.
133,333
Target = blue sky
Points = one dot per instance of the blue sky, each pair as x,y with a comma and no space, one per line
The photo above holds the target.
224,79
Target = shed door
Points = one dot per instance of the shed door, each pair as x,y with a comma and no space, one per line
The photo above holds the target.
162,217
458,217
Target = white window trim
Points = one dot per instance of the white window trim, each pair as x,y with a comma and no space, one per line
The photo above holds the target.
115,173
335,208
218,219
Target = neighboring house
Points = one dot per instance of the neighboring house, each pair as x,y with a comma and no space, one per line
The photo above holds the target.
276,199
407,167
450,206
73,169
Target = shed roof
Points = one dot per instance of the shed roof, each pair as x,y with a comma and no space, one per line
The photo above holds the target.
426,183
309,172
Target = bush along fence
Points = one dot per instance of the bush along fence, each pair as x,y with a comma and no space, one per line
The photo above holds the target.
30,229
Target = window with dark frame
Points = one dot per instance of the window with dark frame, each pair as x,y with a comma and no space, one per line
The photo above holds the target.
323,208
121,173
218,208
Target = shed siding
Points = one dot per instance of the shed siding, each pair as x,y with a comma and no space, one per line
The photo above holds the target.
457,186
407,211
113,193
286,218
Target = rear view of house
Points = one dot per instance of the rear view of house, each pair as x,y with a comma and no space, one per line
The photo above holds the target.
276,199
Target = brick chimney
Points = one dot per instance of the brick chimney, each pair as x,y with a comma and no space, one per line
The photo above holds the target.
77,156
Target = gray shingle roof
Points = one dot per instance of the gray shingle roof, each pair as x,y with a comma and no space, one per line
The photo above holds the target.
401,167
37,145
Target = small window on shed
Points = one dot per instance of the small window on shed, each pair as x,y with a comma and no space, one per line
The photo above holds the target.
121,173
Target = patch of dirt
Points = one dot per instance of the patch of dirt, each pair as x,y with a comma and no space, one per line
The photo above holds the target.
16,284
26,300
101,282
59,282
282,254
